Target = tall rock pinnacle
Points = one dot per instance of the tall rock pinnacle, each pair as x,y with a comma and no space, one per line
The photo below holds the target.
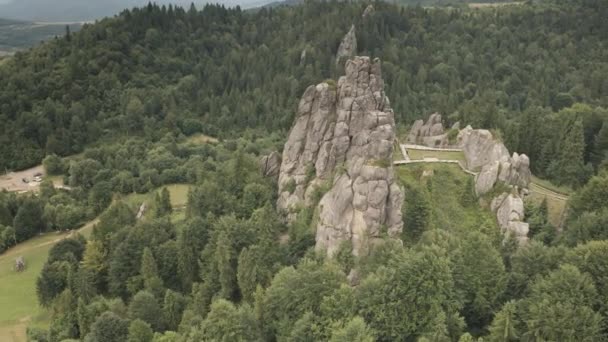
348,46
342,139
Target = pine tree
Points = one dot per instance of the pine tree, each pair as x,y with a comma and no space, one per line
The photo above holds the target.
149,273
163,203
354,331
569,166
503,327
417,213
140,331
190,241
84,321
224,258
600,148
173,308
145,307
247,273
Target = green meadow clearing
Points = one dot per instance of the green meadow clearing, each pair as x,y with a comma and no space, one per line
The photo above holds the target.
18,302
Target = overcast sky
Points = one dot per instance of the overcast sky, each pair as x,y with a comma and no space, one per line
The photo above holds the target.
84,10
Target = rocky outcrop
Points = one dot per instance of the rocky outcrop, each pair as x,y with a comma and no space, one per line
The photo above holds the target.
514,171
480,147
343,138
509,210
368,10
486,154
270,164
431,133
348,46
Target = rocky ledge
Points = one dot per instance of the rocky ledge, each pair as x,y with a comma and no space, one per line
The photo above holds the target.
342,140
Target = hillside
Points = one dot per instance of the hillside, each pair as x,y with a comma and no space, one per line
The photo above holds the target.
274,175
154,70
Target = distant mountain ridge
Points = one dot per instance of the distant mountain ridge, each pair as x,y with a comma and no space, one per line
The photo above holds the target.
87,10
16,35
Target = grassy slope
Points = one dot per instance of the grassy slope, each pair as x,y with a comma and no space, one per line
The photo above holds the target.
448,212
18,290
555,206
177,192
441,155
18,303
201,139
563,190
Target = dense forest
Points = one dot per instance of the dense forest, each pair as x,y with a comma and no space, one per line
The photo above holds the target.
127,94
521,70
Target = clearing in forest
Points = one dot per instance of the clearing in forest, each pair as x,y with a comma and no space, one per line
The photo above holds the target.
18,298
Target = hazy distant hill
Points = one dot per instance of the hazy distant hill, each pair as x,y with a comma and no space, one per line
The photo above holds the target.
16,35
84,10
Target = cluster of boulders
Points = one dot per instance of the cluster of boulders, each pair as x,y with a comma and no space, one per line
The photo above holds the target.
489,157
432,133
342,141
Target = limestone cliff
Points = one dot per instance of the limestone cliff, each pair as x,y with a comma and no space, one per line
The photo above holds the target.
343,137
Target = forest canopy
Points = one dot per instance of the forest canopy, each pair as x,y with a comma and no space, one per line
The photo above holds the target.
220,71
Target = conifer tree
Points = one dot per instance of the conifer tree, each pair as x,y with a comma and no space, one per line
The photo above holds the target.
224,258
503,327
149,273
163,203
569,166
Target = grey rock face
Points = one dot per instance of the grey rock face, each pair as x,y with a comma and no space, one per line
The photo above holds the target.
509,209
348,46
368,10
431,133
486,179
344,138
516,171
270,164
481,148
